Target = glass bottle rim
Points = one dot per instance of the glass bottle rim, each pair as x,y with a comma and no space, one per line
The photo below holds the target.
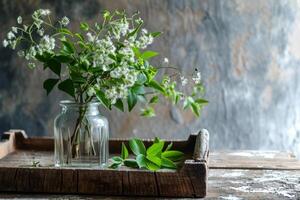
71,103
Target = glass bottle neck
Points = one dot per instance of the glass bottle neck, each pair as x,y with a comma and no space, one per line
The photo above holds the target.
91,108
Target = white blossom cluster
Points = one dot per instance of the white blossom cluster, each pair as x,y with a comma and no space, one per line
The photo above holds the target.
197,78
144,40
45,44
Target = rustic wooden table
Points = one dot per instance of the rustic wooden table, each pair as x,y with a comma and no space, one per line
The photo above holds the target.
233,175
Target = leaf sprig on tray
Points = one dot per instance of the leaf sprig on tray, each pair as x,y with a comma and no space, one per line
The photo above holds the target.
153,158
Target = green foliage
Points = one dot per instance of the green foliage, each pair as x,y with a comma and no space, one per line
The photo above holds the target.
84,26
49,84
108,61
153,158
67,87
148,54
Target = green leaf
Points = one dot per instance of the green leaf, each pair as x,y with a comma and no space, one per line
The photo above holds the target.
119,105
195,109
84,26
117,159
148,112
201,101
156,140
63,58
169,146
155,148
65,31
142,78
138,89
137,52
187,102
132,33
124,152
106,14
152,166
154,100
101,97
81,45
173,155
80,36
154,84
53,65
137,146
167,163
141,161
115,165
131,163
44,57
155,159
155,34
68,47
49,84
148,54
131,100
67,87
150,73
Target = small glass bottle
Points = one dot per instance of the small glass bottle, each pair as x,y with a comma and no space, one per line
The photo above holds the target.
81,136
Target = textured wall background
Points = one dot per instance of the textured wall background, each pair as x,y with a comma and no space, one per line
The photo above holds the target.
248,52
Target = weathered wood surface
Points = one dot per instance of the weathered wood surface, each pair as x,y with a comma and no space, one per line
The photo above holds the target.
232,175
19,171
274,160
223,184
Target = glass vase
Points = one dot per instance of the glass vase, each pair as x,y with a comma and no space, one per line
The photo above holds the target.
81,136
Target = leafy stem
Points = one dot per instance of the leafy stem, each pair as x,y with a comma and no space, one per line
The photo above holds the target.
153,158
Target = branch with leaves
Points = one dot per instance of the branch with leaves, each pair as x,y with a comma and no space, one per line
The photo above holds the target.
153,158
106,60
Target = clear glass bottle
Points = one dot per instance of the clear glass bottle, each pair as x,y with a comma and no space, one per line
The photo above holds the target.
81,136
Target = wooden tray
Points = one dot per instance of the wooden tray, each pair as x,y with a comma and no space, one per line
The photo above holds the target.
18,174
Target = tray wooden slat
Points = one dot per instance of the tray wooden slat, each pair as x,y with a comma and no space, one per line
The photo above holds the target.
18,175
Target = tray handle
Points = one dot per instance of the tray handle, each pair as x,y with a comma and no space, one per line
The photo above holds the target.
201,149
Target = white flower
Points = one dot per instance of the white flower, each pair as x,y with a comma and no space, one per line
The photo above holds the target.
41,32
10,35
19,20
166,60
38,23
91,91
144,40
139,20
197,79
123,91
45,12
21,53
116,73
144,31
65,21
32,52
184,80
5,43
46,44
90,37
31,65
124,28
131,78
13,44
112,94
14,29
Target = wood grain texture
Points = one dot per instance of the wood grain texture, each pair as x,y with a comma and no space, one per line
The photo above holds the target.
140,183
45,178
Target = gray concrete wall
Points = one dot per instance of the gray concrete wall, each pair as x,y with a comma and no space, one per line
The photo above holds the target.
248,52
